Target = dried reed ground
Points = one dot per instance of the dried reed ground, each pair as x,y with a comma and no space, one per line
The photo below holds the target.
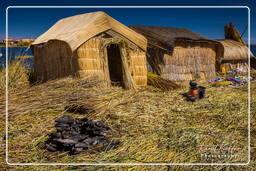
152,125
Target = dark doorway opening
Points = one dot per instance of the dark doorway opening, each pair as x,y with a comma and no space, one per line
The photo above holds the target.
115,65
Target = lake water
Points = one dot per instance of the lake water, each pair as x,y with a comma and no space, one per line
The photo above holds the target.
14,52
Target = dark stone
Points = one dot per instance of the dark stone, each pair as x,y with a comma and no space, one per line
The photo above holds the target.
102,134
65,141
77,151
83,119
78,135
60,129
100,124
65,119
51,148
81,137
90,124
88,140
56,135
82,145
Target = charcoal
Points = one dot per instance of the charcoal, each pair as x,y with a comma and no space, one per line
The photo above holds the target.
56,135
81,137
60,128
50,147
66,133
62,125
65,141
88,140
76,151
65,119
100,124
78,135
83,119
82,145
90,124
102,134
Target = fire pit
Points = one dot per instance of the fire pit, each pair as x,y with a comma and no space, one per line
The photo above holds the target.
78,135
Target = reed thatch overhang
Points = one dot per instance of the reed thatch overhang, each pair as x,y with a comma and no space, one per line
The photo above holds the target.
164,37
78,29
233,50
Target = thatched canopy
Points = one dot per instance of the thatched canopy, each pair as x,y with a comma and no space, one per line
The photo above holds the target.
164,37
233,50
78,29
178,54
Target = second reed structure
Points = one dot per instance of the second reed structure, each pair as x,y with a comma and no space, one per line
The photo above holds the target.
178,54
92,44
232,55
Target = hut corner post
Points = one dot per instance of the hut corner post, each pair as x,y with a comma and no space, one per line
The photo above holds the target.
127,78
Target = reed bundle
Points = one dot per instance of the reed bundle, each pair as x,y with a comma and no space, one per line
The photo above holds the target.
161,83
83,95
98,105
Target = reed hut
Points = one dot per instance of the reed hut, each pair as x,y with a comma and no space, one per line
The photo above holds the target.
178,54
232,55
91,45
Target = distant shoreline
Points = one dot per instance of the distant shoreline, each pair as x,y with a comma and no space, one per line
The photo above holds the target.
13,46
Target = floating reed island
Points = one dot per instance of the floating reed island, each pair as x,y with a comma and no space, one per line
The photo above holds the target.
92,44
148,125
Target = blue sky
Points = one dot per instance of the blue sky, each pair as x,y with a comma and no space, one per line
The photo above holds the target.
207,22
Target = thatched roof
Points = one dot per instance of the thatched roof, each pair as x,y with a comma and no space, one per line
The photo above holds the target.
78,29
165,36
233,50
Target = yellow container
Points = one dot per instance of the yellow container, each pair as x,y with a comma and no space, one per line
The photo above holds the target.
221,83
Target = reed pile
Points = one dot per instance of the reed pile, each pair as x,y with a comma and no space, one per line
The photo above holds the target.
96,105
151,126
161,83
68,93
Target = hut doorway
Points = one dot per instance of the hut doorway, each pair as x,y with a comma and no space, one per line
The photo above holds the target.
115,65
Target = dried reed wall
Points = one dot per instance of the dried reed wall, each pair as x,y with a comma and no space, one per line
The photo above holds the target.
88,59
232,55
53,60
138,66
92,60
188,61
